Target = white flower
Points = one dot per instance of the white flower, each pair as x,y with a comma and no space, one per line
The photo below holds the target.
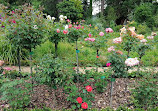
53,18
61,16
132,62
35,27
65,17
49,17
131,29
66,26
123,30
143,40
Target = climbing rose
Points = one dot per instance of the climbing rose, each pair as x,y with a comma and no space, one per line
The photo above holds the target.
111,49
108,64
131,62
101,34
58,31
84,105
108,30
117,40
65,31
89,88
79,99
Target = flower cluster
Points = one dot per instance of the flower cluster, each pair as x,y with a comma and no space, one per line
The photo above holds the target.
111,49
61,17
132,62
90,39
84,105
50,18
108,64
140,37
117,40
150,37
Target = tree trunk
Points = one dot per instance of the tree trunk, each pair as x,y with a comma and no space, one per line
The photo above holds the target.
56,48
91,9
102,7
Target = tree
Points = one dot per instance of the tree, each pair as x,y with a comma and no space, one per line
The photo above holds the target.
73,9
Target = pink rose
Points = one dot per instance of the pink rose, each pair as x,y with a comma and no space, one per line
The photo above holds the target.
65,31
101,34
108,30
58,31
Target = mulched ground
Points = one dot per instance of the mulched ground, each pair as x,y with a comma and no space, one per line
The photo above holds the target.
44,96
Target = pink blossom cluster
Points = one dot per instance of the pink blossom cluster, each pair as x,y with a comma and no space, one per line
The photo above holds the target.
150,37
111,49
108,30
117,40
131,62
90,39
143,40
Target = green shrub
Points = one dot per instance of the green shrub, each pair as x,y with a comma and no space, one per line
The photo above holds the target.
145,91
16,93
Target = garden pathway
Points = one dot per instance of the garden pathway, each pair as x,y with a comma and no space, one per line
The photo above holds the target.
81,69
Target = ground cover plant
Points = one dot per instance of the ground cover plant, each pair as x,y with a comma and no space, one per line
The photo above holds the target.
74,64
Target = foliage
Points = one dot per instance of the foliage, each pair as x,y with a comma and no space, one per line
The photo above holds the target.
72,9
22,27
144,13
16,92
145,92
118,64
51,71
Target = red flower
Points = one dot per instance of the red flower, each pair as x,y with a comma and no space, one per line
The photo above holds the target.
68,20
14,21
70,25
58,30
30,76
79,99
65,31
89,88
108,64
82,27
97,57
13,12
73,68
84,105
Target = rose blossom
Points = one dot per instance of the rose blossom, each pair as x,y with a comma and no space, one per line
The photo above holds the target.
132,62
84,105
117,40
143,40
101,34
108,30
79,100
89,88
58,31
65,31
111,49
108,64
150,37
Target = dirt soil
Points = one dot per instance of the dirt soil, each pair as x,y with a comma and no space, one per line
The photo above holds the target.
43,96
